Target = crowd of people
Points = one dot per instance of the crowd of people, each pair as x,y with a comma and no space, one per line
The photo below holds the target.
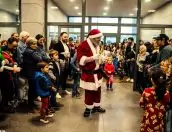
28,72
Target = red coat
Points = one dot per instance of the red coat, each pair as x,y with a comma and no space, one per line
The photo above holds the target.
109,68
88,81
154,111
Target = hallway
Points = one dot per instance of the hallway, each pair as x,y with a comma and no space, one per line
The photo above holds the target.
123,115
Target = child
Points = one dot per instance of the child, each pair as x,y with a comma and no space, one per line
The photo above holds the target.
154,101
109,69
54,73
43,88
76,75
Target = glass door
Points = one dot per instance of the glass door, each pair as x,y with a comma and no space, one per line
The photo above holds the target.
53,32
73,32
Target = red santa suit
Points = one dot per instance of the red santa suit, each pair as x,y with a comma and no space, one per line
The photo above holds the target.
91,78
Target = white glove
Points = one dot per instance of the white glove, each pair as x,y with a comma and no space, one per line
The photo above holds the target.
96,57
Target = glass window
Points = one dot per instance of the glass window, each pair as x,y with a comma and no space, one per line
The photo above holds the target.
106,29
110,40
104,20
128,30
77,19
74,30
127,36
86,29
6,32
129,20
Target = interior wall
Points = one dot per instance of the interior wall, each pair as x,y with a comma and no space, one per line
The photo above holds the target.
7,31
7,17
161,16
55,15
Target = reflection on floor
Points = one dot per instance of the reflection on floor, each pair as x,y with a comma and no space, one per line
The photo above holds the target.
123,115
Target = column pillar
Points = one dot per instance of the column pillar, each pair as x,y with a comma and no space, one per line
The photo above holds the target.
32,16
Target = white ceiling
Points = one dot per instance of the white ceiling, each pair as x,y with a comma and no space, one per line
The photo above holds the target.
116,7
10,6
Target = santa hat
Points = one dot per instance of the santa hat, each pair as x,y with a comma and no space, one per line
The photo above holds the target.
95,33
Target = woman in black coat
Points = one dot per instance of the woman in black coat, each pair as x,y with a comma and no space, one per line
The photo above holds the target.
30,59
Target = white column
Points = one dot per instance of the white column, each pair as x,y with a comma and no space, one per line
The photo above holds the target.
32,16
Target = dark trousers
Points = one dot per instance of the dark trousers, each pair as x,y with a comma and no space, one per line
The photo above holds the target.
7,88
76,78
63,78
92,98
31,94
141,81
53,101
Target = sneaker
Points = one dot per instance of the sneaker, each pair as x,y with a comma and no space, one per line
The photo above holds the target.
49,115
58,96
45,121
128,79
131,80
38,99
67,92
111,89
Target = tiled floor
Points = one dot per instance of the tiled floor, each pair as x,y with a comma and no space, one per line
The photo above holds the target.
123,115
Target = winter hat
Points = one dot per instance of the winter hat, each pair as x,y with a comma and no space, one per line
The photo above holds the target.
95,33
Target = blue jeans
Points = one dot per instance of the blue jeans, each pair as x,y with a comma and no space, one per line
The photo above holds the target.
131,66
76,78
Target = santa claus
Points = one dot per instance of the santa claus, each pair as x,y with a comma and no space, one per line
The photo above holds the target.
91,78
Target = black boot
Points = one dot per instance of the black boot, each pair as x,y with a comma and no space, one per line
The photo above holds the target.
98,109
87,112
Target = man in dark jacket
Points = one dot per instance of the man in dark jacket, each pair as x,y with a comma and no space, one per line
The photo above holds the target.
130,58
64,56
165,50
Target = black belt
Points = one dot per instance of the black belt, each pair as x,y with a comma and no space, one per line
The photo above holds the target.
92,71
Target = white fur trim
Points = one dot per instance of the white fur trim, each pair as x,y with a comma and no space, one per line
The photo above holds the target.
90,85
82,60
89,106
95,51
97,104
96,35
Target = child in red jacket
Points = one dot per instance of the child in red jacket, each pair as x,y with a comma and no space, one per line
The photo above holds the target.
109,69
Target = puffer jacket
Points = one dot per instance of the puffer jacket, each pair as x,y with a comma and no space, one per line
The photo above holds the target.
43,84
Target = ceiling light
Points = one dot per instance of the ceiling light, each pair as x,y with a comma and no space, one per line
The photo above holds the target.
54,7
79,13
147,0
131,14
151,10
104,14
17,10
106,8
109,0
76,7
72,0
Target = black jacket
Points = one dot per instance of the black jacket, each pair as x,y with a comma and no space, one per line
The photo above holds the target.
59,47
30,59
130,53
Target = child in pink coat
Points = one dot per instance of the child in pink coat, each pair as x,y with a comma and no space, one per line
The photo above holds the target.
109,70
